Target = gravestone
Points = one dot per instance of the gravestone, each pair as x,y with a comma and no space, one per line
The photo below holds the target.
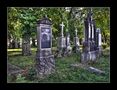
35,42
99,40
92,42
10,43
61,42
45,63
26,47
68,48
20,42
76,42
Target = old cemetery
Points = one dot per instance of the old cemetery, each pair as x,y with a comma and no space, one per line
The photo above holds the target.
58,45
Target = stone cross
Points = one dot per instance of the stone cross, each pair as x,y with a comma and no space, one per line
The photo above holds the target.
76,32
62,26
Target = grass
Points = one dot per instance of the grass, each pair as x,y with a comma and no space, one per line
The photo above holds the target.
64,73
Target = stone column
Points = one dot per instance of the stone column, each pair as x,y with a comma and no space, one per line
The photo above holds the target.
95,37
99,39
62,26
86,33
20,42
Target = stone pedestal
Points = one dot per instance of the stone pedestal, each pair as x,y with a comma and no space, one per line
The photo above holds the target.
68,51
89,57
87,54
99,49
45,63
61,46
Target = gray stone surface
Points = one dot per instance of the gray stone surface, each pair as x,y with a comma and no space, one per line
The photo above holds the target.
61,43
68,48
89,68
45,63
89,56
92,43
26,48
76,43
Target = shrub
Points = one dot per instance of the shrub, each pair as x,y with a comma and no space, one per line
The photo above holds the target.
31,74
20,78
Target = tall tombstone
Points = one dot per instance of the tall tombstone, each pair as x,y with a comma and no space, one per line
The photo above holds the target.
8,43
99,40
68,48
31,41
26,47
92,40
36,42
45,63
95,36
20,42
61,42
76,42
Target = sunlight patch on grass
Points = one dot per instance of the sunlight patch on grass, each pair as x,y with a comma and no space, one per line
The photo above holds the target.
14,49
19,49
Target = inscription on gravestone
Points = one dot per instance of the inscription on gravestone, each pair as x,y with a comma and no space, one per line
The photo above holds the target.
45,38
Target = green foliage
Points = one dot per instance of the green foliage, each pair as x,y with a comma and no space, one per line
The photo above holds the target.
20,79
104,45
22,21
31,74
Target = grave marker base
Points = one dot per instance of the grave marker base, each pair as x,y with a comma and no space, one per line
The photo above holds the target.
45,63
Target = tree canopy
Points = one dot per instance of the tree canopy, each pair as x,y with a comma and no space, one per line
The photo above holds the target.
23,20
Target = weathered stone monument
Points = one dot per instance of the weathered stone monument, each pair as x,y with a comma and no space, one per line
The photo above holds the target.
68,48
45,63
26,47
20,42
92,43
61,42
99,41
76,43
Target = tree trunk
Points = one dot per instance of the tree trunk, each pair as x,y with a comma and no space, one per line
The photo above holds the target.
26,47
105,40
